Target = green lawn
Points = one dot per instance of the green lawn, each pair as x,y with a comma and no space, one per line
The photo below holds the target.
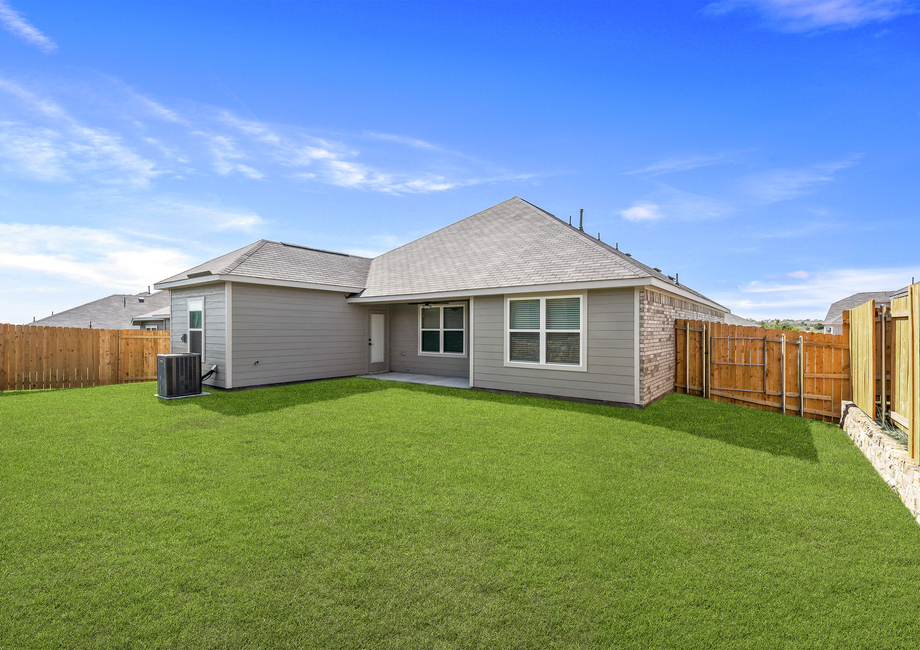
367,514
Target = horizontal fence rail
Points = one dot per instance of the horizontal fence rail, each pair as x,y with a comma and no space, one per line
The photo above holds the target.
799,373
33,357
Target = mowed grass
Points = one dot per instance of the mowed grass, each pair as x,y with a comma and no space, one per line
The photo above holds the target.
367,514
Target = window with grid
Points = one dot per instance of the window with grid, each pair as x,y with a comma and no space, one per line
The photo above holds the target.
442,329
545,331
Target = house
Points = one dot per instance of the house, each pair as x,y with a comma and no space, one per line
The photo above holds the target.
158,319
510,299
731,319
116,312
833,321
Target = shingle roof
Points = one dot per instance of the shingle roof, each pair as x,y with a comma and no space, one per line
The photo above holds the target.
281,261
112,312
512,244
731,319
835,312
156,314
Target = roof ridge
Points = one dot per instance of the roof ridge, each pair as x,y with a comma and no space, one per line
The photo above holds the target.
627,259
243,257
458,221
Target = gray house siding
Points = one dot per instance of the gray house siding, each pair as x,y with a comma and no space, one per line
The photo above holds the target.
404,346
611,341
295,335
215,326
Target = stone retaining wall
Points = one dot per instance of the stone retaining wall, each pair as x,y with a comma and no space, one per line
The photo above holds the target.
889,458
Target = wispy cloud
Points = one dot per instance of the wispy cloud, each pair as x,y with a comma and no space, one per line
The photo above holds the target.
791,233
15,23
63,147
682,164
225,156
208,217
641,212
784,184
144,139
735,196
809,294
85,255
811,15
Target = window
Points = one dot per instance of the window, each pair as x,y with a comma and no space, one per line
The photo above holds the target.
442,329
196,325
545,331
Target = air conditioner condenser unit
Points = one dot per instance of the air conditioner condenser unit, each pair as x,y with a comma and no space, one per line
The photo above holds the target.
179,375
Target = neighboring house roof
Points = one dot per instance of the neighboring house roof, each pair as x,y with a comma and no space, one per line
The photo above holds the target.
112,312
731,319
157,314
271,260
512,245
835,312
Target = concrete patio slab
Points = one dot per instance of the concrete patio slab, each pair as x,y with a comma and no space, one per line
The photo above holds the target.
415,378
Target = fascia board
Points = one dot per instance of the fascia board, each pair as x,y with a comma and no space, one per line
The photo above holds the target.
498,291
211,279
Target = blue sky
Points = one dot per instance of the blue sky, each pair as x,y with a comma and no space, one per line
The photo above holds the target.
766,150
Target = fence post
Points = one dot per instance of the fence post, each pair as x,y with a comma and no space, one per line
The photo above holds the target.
782,358
686,355
801,377
884,358
703,360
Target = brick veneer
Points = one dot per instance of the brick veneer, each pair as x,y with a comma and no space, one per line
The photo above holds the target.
657,312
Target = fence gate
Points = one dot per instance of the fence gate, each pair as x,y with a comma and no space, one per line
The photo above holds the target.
801,373
885,344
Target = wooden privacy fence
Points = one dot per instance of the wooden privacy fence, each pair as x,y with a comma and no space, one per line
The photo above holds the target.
800,373
885,345
65,357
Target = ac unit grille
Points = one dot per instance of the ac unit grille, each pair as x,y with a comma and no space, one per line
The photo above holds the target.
178,375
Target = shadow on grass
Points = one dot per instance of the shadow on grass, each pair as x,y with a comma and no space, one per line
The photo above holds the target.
780,435
276,398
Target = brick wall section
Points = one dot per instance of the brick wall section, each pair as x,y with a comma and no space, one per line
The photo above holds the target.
657,313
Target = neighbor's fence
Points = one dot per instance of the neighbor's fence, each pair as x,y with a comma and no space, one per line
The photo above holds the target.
800,373
886,363
65,357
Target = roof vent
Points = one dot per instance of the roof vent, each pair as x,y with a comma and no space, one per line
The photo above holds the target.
199,274
655,268
140,300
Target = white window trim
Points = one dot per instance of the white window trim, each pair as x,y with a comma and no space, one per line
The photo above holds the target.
442,354
583,344
188,328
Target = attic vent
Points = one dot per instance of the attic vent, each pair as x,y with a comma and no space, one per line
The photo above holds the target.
627,254
655,268
140,300
318,250
199,274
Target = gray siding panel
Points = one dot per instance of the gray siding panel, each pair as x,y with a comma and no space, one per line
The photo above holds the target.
295,335
404,356
215,326
610,349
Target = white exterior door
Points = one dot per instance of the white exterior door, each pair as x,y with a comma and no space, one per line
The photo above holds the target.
378,342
